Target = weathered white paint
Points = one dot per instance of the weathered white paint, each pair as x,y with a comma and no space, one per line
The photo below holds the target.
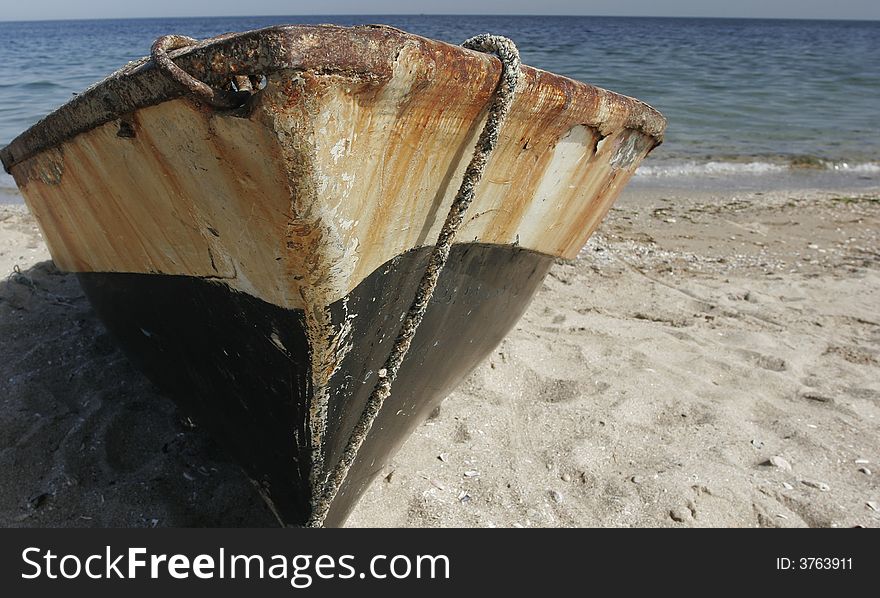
329,177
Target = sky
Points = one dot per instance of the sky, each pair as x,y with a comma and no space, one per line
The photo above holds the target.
17,10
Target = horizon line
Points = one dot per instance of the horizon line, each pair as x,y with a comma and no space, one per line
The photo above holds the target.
423,14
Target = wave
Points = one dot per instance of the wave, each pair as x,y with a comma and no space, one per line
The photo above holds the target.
708,168
33,85
7,184
866,167
722,167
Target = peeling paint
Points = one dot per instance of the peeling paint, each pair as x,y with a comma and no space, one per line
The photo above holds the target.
49,169
338,150
276,340
630,150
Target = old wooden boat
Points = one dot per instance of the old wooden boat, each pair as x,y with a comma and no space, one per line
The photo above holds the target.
252,216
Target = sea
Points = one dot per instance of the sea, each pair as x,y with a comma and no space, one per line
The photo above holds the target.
751,103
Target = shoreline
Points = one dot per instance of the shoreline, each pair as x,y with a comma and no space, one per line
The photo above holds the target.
710,359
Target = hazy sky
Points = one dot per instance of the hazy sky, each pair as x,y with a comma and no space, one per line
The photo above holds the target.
12,10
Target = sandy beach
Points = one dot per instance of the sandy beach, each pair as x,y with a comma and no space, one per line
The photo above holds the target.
711,359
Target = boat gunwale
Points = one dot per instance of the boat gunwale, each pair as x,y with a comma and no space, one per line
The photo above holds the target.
363,50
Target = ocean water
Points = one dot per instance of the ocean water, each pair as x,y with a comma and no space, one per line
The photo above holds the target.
749,101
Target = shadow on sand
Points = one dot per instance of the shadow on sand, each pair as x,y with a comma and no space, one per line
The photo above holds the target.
85,439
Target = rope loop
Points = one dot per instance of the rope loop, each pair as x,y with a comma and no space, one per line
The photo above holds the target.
218,98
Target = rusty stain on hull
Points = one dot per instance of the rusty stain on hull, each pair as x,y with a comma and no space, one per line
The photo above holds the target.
313,257
331,175
348,157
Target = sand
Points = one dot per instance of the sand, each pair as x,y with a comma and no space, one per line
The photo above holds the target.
711,359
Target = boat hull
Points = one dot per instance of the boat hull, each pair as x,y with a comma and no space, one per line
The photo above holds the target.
256,262
240,365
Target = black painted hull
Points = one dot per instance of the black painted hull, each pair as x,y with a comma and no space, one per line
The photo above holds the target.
241,366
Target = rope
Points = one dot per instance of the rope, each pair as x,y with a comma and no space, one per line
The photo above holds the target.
218,98
506,51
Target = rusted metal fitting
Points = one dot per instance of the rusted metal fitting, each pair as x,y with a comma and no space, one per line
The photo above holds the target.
218,98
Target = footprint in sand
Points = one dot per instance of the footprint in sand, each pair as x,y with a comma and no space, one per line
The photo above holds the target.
766,362
559,391
852,354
